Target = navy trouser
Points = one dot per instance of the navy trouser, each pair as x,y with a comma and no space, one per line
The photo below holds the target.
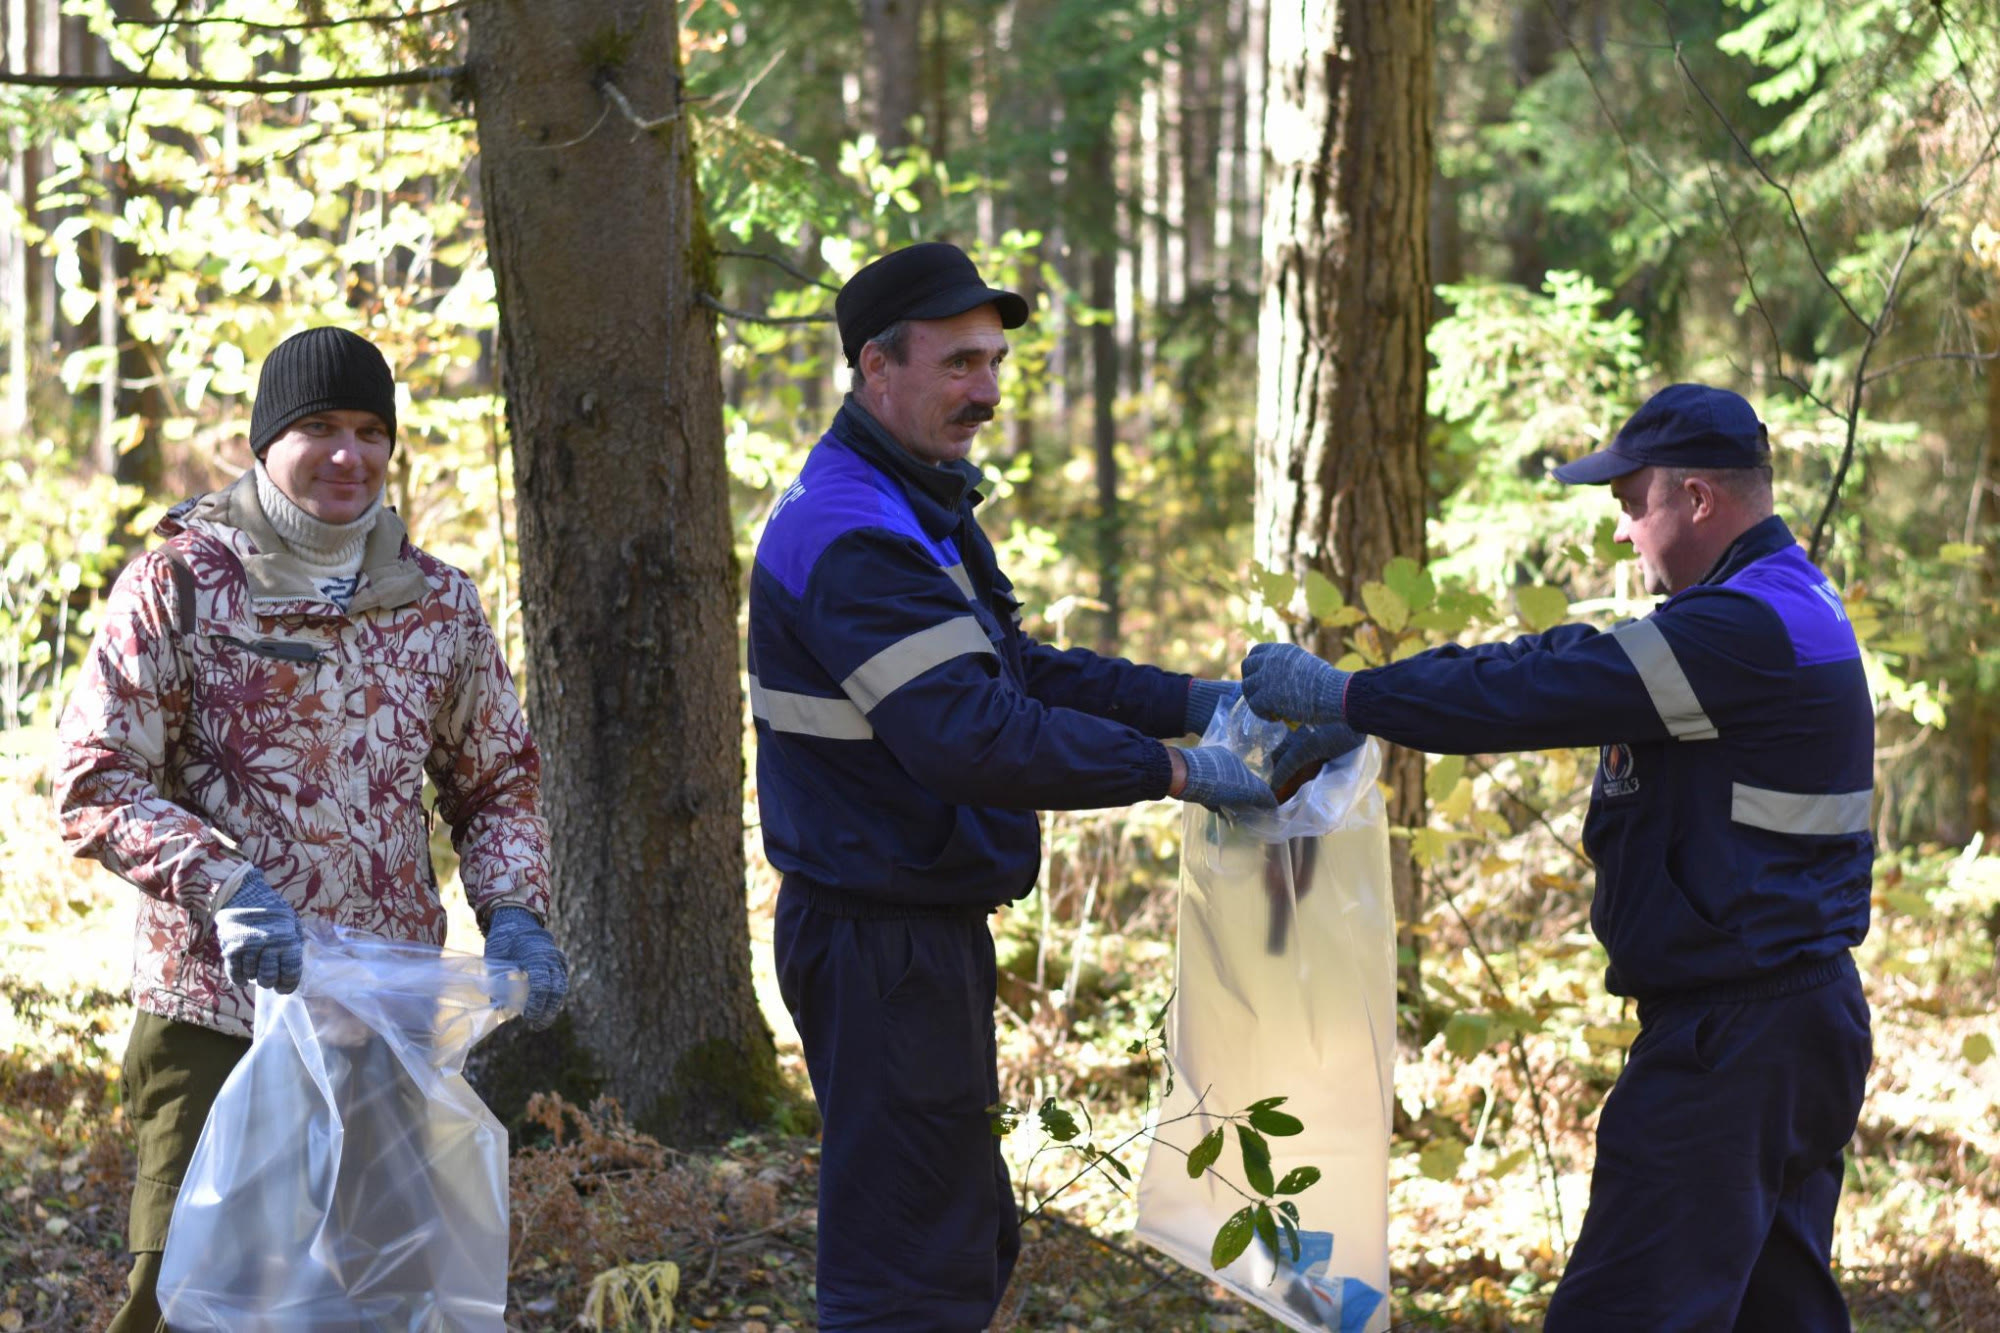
917,1224
1719,1164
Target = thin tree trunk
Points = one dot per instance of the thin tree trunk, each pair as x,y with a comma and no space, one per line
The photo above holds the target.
614,406
895,40
1341,361
1104,397
14,411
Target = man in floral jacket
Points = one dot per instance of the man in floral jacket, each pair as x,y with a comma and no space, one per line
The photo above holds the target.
248,744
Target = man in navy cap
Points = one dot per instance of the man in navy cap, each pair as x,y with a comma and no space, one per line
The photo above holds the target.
1729,827
907,732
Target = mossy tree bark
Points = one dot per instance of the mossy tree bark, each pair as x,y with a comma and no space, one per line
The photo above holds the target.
628,578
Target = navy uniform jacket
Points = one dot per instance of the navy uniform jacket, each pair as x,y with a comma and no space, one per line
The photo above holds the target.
1729,817
907,731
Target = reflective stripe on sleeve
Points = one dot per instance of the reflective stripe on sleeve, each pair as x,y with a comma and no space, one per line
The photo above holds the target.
1819,813
961,578
808,714
906,659
1660,672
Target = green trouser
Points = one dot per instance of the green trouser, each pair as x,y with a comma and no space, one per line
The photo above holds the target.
172,1073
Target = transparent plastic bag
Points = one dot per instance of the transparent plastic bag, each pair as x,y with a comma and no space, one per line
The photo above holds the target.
348,1177
1286,986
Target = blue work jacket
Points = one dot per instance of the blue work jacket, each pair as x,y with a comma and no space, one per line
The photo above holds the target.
907,730
1730,813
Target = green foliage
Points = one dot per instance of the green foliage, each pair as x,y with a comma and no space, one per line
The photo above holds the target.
59,545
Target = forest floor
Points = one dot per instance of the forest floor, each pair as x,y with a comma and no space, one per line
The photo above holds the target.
597,1206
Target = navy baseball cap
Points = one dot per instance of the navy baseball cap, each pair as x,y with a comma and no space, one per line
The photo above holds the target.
929,280
1683,425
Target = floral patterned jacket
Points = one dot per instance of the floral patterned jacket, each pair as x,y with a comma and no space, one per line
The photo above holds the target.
228,716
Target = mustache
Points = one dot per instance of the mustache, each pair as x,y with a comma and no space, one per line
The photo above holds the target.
972,414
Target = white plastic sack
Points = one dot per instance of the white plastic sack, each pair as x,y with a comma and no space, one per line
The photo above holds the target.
1286,987
348,1177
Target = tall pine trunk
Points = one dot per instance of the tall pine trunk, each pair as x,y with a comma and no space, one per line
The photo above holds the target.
628,579
1340,403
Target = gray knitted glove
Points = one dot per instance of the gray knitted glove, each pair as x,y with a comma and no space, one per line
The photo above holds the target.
1284,681
1205,698
1219,780
1306,749
260,937
515,940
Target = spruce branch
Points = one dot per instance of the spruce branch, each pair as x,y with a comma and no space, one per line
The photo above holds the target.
285,87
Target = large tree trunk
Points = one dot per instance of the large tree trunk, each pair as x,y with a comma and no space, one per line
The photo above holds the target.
628,578
1340,404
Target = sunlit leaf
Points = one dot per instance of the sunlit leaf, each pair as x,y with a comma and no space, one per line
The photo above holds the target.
1323,599
1542,607
1441,1158
1410,581
1386,605
1466,1035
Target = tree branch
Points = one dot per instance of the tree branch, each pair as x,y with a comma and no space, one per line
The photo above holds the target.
749,317
1895,367
401,78
780,262
303,25
1604,109
1757,165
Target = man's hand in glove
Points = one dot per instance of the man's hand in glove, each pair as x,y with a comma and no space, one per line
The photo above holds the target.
515,940
1284,681
1210,775
259,935
1300,756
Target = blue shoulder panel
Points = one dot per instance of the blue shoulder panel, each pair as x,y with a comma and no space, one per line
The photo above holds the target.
1806,601
836,493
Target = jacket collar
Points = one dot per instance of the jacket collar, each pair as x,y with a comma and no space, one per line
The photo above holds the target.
388,576
941,495
1763,539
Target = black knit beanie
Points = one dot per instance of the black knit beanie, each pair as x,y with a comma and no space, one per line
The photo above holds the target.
320,370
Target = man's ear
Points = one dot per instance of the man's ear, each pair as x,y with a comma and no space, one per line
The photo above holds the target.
873,358
1703,494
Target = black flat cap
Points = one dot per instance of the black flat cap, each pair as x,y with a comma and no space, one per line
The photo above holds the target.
929,280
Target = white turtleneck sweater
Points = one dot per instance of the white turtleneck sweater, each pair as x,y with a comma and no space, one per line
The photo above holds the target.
331,552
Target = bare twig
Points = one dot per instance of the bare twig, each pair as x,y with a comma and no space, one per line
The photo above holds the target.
755,79
1757,165
303,25
1539,1135
1541,815
780,262
401,78
640,124
1604,109
1896,367
752,318
1918,225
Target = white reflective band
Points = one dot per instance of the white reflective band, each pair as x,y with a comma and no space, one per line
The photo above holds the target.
808,714
1820,813
961,578
906,659
1660,672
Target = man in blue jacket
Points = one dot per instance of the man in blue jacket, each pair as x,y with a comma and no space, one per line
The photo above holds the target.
1729,826
907,732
